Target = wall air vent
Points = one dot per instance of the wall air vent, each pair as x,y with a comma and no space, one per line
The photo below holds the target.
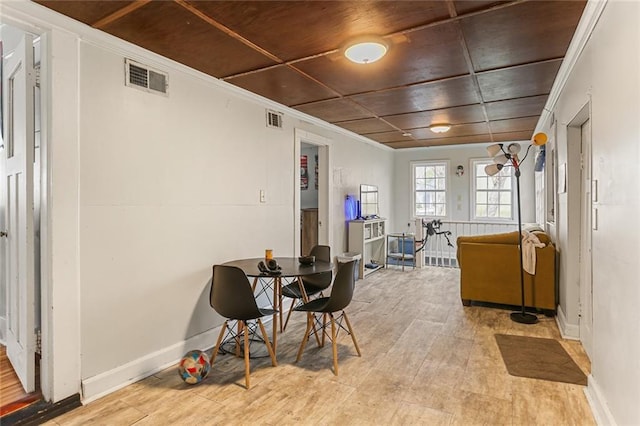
145,78
274,119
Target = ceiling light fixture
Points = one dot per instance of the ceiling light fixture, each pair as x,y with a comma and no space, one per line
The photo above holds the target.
440,128
366,50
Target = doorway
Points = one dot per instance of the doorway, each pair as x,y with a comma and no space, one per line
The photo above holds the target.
312,195
579,136
586,226
20,218
309,186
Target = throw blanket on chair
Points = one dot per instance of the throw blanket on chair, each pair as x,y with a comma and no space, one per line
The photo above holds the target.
529,244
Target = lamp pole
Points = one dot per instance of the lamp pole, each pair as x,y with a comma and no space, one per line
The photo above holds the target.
521,317
510,155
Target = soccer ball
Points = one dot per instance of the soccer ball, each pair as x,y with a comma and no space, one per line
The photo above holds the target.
194,367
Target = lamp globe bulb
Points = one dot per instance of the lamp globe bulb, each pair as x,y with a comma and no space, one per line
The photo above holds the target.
540,139
514,148
493,169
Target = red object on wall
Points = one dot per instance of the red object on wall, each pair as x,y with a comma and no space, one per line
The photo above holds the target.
304,173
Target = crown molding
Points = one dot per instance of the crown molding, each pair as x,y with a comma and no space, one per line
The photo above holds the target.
587,24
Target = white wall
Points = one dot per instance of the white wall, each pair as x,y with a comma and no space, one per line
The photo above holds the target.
460,186
607,75
353,165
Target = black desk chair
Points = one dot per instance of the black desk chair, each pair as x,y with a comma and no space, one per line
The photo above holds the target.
341,295
232,297
313,284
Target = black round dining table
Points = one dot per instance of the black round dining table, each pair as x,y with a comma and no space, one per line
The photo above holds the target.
290,268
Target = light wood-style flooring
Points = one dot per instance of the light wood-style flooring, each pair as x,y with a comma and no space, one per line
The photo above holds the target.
12,395
10,387
426,360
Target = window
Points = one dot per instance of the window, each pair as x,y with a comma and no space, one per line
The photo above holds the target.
430,189
492,195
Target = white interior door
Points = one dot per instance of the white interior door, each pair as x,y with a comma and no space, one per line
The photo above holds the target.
18,87
586,276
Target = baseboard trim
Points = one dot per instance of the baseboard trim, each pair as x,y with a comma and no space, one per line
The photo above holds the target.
110,381
598,405
567,331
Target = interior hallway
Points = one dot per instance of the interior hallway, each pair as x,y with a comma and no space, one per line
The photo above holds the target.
426,359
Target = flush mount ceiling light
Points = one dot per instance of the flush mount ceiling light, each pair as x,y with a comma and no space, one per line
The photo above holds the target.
366,50
440,128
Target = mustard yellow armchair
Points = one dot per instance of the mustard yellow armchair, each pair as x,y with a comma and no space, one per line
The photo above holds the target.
490,272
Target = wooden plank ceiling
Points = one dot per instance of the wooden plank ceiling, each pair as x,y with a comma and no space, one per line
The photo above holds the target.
485,67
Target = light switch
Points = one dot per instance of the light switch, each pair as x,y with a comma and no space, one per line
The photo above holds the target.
262,198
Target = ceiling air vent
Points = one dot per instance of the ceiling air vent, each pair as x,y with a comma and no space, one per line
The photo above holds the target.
274,119
145,78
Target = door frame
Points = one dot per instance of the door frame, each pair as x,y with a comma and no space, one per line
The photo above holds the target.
325,183
60,366
576,141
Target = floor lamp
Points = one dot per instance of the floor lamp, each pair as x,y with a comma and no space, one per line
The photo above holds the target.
509,157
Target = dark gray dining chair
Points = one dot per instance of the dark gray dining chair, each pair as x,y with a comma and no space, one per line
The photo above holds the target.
313,284
340,297
232,297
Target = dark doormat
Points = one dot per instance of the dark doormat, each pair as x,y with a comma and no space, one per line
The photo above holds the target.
539,358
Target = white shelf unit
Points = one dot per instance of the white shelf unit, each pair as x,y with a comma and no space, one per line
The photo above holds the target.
369,238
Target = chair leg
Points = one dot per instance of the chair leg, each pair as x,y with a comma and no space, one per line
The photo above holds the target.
280,314
353,336
293,301
217,347
272,354
306,336
334,344
247,368
324,327
278,284
277,303
315,330
237,338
